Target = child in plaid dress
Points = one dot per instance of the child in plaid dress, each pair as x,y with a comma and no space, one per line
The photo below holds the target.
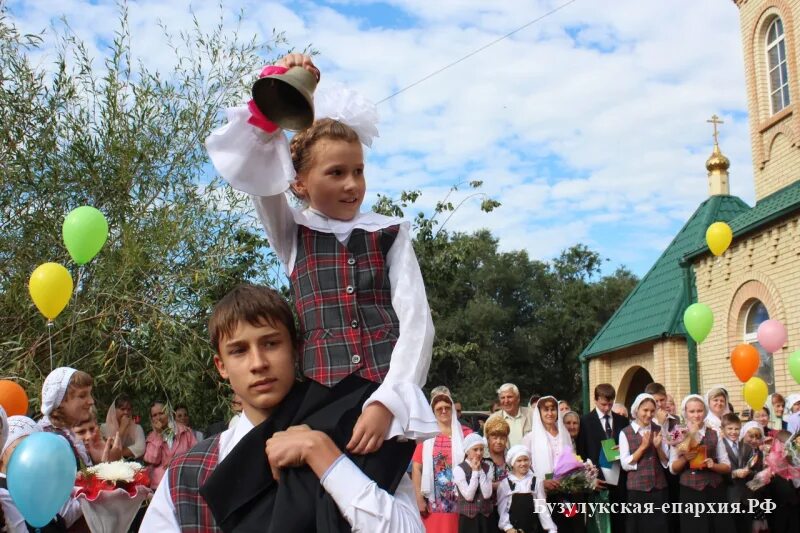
366,328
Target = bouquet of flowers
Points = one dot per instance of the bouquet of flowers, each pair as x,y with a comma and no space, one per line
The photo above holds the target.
683,438
110,494
783,459
574,475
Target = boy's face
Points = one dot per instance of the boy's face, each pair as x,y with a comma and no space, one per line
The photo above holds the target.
732,431
87,431
603,404
259,363
661,401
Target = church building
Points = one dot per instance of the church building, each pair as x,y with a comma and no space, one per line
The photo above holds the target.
756,279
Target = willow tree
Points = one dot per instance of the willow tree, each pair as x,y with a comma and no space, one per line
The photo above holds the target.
113,133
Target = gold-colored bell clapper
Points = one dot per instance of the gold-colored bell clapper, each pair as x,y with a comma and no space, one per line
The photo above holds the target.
287,99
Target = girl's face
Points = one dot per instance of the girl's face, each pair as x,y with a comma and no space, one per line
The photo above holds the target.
695,411
497,443
644,414
795,407
778,408
77,404
125,409
718,404
761,417
443,411
670,404
753,438
521,466
334,184
573,425
549,413
475,453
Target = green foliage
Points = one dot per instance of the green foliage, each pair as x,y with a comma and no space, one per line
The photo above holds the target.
127,140
501,316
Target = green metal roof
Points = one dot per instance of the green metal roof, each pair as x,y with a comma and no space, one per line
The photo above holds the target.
777,205
655,307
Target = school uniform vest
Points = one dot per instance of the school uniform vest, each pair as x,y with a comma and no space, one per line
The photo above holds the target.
344,302
479,504
187,473
700,479
649,474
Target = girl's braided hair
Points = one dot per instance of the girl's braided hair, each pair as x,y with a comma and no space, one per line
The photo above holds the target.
303,142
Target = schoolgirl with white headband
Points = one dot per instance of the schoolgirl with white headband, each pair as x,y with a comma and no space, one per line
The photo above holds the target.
473,480
644,454
703,484
521,494
358,290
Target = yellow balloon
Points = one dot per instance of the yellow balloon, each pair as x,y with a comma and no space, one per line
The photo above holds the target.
718,237
50,287
755,392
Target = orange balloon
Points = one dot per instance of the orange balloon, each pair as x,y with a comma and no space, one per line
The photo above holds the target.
13,398
745,361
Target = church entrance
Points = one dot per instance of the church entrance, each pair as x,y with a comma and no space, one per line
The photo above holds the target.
633,383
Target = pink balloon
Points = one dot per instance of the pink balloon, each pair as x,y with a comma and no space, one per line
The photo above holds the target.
772,335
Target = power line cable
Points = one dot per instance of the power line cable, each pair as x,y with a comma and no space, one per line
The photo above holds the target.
481,49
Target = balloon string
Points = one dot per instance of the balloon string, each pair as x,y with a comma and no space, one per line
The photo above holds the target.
75,307
50,341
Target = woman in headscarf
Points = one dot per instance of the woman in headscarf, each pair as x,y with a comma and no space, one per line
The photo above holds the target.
572,421
644,455
66,401
167,440
14,430
433,463
547,440
704,484
776,403
717,405
119,419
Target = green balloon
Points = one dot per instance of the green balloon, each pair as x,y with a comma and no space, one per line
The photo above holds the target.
794,365
698,320
85,232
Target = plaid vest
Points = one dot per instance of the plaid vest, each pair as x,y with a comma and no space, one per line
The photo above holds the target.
187,473
344,302
700,479
478,503
649,473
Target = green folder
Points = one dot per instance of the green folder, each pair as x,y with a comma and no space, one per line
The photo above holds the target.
610,453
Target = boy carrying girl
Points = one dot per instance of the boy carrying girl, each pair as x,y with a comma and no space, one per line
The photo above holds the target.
225,483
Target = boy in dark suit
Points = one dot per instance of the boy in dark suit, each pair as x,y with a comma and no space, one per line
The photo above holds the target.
596,426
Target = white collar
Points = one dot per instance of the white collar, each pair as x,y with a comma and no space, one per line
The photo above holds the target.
369,221
601,415
513,417
636,427
733,443
516,479
231,437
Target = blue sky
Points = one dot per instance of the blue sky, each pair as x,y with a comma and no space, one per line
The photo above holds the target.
589,126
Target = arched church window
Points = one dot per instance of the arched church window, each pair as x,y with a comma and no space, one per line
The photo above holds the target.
756,313
777,65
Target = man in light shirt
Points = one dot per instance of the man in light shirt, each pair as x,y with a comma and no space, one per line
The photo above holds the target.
226,482
517,417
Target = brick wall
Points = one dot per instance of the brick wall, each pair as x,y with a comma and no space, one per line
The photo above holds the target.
762,266
774,137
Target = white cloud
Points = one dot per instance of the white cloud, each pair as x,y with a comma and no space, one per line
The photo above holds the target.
588,125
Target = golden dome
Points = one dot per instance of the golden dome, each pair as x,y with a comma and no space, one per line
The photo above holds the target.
717,161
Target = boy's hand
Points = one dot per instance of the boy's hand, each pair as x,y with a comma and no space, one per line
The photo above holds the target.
299,60
370,429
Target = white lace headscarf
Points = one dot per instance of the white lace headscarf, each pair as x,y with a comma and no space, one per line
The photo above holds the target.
543,457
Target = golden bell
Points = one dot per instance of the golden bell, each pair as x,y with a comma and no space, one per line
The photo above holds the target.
287,99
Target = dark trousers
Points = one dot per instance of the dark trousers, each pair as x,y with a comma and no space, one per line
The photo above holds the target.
786,516
673,495
647,523
572,524
706,522
617,494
